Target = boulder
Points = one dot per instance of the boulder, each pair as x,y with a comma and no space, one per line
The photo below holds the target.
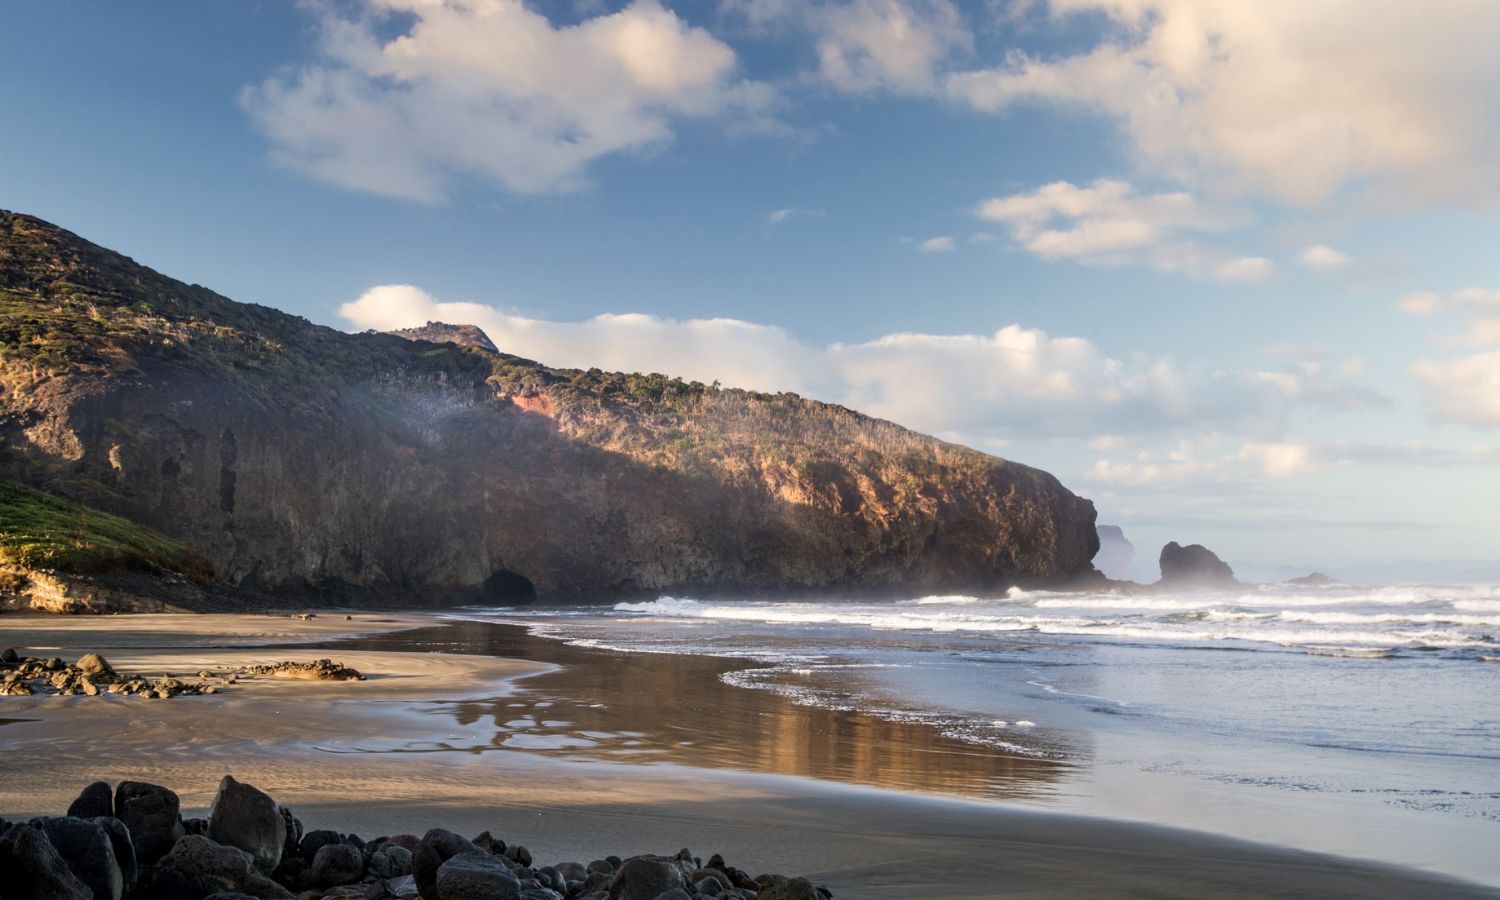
476,875
245,817
390,861
200,859
87,849
335,864
1194,566
96,800
448,844
316,840
119,838
776,887
94,664
293,832
425,862
31,867
152,814
646,877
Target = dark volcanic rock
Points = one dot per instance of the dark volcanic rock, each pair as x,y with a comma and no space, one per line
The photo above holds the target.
646,877
244,817
119,839
335,864
226,868
31,867
1194,566
98,799
152,814
303,461
87,849
476,875
776,887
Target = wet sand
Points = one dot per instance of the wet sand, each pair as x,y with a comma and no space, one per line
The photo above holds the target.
577,753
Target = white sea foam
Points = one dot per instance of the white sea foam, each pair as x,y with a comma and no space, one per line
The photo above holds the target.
1409,616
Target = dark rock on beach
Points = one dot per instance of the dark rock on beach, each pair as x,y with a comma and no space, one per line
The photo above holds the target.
95,800
88,851
32,867
244,817
152,815
476,875
153,855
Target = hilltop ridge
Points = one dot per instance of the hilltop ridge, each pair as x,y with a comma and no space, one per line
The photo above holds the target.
299,460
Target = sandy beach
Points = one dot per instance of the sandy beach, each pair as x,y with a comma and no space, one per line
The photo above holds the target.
432,739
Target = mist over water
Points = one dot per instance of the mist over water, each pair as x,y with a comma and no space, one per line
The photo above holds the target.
1354,720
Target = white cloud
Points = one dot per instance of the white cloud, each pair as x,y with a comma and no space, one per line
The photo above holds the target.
491,90
1465,391
1109,223
1423,303
1295,99
1214,460
1323,257
940,244
776,217
1481,305
1016,382
887,44
899,46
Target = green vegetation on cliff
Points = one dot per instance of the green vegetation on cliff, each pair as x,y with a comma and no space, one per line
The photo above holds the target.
41,531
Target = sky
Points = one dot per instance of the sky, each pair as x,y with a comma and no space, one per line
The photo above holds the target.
1226,267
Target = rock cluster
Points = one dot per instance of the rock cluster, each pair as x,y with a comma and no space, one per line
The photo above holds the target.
317,670
24,676
133,844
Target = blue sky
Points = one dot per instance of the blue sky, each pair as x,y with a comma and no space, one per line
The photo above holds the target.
1225,267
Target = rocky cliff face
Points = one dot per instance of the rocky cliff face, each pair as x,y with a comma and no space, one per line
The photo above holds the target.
300,459
443,333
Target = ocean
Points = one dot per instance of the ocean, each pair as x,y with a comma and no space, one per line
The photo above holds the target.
1353,720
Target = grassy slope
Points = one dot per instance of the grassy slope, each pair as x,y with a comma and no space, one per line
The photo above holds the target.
39,530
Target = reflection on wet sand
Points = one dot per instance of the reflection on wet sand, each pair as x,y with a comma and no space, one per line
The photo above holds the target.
657,707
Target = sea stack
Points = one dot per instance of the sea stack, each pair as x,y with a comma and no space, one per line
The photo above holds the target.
1194,566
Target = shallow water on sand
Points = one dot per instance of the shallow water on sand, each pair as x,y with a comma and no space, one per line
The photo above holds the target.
1391,757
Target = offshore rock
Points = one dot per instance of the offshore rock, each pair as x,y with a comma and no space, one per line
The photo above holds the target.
1194,566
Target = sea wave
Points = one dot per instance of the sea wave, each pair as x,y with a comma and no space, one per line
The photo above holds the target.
1407,617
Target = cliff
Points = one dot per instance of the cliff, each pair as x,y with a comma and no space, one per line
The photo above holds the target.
303,461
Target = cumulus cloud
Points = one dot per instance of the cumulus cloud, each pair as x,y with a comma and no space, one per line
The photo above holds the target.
778,216
898,46
406,96
1284,98
1465,391
1323,257
1108,222
940,244
1016,382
